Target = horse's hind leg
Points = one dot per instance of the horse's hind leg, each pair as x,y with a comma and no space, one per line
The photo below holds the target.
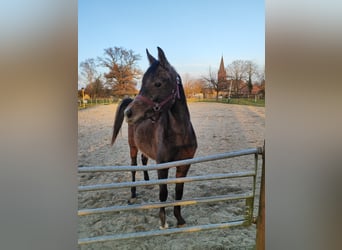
180,172
134,153
133,190
144,160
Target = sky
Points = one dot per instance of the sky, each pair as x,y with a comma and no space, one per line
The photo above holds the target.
194,34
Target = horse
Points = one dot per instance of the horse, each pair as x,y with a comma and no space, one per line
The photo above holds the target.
159,125
119,117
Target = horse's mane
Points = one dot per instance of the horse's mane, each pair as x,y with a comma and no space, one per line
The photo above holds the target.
183,97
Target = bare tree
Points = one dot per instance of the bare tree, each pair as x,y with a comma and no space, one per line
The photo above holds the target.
237,73
251,70
213,82
96,88
193,86
198,86
123,72
262,83
187,82
88,71
93,84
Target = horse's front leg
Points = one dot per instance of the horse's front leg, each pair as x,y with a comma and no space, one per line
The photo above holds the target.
163,174
180,172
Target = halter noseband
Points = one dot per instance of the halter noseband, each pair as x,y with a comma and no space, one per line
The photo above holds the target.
156,106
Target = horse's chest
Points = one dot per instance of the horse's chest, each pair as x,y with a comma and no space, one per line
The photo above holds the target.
146,139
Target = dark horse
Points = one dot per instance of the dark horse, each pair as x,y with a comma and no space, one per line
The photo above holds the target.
159,125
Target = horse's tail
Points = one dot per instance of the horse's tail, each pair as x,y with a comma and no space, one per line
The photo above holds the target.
119,117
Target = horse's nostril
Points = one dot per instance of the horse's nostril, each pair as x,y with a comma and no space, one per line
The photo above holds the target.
128,113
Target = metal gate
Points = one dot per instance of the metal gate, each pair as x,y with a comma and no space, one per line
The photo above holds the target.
248,197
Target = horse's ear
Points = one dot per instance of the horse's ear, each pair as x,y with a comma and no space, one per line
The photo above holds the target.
162,58
151,59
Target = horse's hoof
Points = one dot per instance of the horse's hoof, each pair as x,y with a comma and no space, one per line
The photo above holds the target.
132,201
166,226
179,226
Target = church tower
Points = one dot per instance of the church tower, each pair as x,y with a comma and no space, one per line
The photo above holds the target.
221,75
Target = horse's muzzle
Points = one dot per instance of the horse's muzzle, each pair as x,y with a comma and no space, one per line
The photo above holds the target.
128,115
128,112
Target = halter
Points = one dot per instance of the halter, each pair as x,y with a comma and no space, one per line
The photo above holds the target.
157,106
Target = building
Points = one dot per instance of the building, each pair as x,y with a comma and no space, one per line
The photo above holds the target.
222,81
221,74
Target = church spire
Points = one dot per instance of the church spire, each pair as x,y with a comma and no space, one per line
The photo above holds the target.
221,75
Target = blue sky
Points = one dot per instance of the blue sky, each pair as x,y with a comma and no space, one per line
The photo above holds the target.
194,34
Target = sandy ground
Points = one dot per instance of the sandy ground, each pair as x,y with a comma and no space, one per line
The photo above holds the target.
219,128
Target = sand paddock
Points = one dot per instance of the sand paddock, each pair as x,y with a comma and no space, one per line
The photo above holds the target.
219,128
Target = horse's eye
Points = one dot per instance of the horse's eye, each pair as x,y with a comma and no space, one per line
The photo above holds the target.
157,84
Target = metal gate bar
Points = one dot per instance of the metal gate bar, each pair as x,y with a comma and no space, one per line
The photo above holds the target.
169,231
172,163
165,181
153,205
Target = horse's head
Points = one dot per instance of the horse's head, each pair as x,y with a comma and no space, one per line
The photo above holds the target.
159,90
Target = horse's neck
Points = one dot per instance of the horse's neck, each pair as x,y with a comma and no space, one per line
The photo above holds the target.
180,108
180,111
